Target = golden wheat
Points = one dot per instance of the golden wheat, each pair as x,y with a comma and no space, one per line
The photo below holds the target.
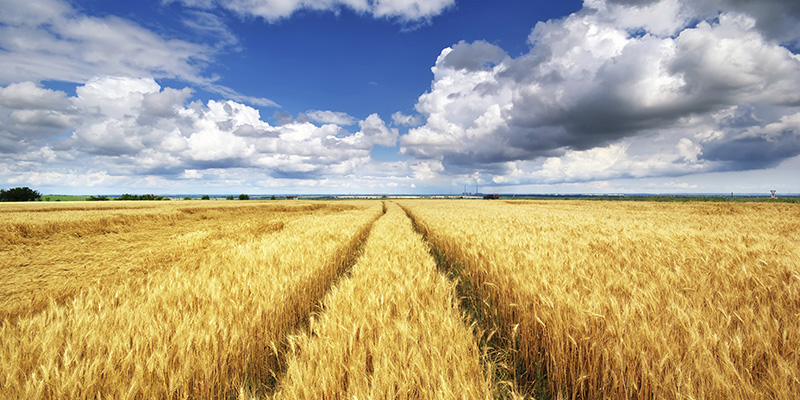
207,325
636,300
593,299
392,330
50,252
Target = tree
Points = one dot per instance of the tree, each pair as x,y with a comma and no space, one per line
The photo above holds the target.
244,197
128,196
19,194
205,197
229,198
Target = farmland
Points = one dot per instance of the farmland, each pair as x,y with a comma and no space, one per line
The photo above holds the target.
204,316
400,299
642,300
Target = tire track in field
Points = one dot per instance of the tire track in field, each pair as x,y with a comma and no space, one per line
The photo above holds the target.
497,342
391,329
55,260
203,332
353,250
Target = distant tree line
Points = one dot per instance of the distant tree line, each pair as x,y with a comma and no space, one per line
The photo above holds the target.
28,194
128,196
19,194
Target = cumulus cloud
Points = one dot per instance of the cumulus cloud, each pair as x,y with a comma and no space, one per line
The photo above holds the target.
754,147
134,127
427,170
28,95
49,40
30,112
375,132
275,10
775,19
601,91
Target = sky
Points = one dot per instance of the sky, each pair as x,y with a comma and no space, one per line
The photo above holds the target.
400,96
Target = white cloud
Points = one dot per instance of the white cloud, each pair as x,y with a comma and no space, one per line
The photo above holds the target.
28,95
330,117
42,118
134,127
274,10
776,19
75,178
191,174
165,103
409,9
406,120
602,91
114,96
661,18
216,145
28,111
34,107
31,12
49,40
71,47
427,170
375,132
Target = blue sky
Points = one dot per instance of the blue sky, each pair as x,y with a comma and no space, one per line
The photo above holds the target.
400,96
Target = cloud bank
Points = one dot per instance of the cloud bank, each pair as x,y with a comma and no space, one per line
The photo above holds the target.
620,89
119,126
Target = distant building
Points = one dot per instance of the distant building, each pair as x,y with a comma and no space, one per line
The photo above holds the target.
291,197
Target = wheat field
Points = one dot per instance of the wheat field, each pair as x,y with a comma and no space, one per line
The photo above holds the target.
441,299
52,250
391,330
205,318
634,300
